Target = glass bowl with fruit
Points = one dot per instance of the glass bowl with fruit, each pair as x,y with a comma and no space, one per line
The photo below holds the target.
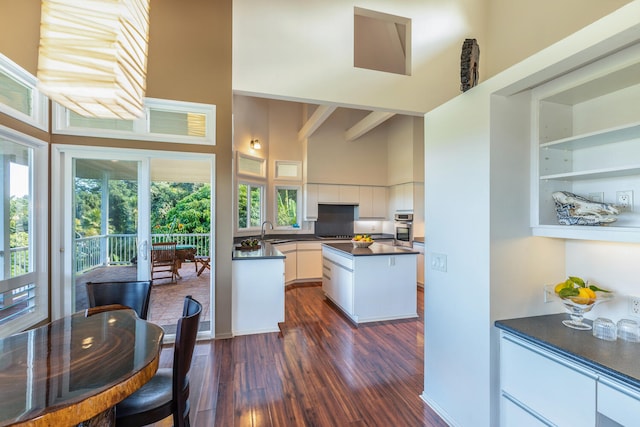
362,241
579,297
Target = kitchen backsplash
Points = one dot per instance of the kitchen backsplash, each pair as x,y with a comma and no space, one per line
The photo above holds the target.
612,266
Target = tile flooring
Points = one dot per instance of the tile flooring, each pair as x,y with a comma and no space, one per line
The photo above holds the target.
166,298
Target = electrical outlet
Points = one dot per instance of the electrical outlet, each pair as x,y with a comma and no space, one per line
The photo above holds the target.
548,293
624,200
634,306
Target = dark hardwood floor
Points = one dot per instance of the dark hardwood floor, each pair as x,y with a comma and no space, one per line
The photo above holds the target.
320,371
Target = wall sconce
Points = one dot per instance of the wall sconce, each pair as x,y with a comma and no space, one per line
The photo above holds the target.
255,144
93,56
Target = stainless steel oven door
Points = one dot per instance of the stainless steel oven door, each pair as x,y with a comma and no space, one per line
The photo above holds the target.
404,234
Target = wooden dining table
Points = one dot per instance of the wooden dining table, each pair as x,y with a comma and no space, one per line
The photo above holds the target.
74,370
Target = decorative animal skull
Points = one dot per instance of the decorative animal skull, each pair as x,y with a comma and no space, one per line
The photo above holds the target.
572,209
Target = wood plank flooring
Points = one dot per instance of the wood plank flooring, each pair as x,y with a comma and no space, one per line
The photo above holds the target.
320,371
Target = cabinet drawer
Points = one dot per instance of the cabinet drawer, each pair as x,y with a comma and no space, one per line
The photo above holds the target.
618,403
514,415
545,383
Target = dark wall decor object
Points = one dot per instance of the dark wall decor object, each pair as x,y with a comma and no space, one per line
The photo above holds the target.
469,63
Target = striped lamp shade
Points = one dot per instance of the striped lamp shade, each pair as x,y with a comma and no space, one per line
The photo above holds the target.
93,56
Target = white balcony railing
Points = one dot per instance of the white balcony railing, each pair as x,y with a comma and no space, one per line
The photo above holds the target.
110,249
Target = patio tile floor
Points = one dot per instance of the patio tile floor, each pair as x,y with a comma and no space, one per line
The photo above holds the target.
166,298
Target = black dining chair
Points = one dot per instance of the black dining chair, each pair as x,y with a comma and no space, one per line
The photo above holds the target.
167,393
135,295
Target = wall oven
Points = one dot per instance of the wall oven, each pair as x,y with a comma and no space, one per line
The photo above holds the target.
403,230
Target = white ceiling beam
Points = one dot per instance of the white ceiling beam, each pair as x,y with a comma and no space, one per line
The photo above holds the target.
368,123
318,117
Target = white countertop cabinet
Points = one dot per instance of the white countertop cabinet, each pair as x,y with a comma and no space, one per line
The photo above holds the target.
586,140
541,388
309,261
372,287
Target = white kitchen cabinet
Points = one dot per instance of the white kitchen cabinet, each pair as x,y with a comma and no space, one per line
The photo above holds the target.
310,202
617,404
543,386
257,295
309,261
373,202
328,193
419,246
349,194
289,250
337,282
401,198
369,288
586,134
333,193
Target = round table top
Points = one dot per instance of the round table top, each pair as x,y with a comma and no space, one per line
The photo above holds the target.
76,367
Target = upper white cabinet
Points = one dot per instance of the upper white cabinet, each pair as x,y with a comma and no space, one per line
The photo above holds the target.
310,202
586,140
373,202
328,193
401,198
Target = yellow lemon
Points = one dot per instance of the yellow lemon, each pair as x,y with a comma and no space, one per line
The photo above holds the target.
562,285
583,297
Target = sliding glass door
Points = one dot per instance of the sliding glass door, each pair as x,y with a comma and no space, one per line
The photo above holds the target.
115,205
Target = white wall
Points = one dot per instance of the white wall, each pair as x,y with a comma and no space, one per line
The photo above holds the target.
401,142
613,266
477,212
333,160
304,50
535,25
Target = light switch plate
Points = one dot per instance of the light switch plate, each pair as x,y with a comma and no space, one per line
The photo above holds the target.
438,262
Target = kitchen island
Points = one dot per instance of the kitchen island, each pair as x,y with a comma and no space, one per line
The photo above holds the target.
257,290
370,284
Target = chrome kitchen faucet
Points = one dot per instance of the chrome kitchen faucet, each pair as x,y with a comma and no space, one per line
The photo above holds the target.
262,230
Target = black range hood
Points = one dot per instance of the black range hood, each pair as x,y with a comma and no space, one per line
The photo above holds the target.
335,220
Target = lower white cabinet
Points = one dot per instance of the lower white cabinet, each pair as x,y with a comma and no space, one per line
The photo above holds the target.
544,387
257,295
419,246
309,261
290,262
541,388
618,405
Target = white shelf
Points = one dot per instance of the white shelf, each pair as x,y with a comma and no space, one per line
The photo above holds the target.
594,174
586,140
609,233
594,139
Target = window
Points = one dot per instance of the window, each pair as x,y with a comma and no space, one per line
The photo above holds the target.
19,97
164,120
23,247
250,166
288,206
288,170
250,206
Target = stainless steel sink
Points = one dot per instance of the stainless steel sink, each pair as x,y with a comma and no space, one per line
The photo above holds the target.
276,241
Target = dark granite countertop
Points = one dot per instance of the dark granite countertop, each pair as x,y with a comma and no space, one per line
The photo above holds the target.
617,359
375,249
283,238
266,251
